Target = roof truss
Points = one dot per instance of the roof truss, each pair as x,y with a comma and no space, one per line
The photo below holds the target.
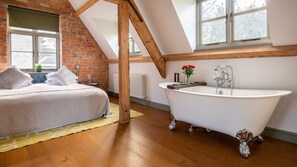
142,30
127,9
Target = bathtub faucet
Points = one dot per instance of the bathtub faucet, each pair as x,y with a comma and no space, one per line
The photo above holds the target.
224,78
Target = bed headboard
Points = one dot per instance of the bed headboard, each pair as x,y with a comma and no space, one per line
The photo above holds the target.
38,77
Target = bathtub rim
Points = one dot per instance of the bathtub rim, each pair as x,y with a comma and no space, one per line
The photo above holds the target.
279,93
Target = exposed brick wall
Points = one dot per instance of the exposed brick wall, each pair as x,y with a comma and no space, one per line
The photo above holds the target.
3,34
77,44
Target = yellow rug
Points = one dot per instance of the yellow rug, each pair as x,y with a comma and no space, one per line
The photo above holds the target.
15,142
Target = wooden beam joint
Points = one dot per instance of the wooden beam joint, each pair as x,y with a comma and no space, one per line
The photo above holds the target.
85,7
135,9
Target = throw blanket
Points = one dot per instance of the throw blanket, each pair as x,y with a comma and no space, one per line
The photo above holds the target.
41,107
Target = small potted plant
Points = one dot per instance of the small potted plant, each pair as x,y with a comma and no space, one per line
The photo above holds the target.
38,67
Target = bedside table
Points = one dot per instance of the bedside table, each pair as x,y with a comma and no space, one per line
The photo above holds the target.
90,83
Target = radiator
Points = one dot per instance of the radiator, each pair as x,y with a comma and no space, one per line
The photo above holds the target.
137,85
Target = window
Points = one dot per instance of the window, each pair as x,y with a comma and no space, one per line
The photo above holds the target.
29,46
231,22
133,48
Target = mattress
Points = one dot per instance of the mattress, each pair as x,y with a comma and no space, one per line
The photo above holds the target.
41,107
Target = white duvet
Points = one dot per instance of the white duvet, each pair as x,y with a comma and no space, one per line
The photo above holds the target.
41,107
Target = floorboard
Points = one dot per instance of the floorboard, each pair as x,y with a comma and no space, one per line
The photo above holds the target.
146,141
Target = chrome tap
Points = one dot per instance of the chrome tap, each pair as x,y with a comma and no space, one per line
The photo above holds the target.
224,78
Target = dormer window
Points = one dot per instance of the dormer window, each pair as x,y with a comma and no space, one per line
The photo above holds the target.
223,23
133,48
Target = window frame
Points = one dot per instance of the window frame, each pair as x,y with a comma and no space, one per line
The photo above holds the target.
134,53
230,15
35,34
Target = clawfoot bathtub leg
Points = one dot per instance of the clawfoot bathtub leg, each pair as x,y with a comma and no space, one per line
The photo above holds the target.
172,124
192,128
244,136
259,139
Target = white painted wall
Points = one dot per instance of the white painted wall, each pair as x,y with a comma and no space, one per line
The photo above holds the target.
186,11
98,36
109,30
255,73
103,30
77,3
164,25
283,21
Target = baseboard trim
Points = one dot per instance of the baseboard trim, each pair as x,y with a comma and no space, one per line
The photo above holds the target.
144,102
270,132
280,134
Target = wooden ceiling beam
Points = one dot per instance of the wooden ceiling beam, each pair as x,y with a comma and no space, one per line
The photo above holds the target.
90,3
114,1
134,7
85,7
147,40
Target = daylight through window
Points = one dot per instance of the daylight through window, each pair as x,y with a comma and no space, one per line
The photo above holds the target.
133,48
231,21
29,46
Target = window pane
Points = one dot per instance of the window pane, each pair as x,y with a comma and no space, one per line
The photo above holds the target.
250,26
22,60
214,31
137,50
130,45
21,42
47,60
243,5
213,9
133,48
47,44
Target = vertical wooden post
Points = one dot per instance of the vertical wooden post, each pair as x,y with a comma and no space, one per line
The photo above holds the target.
124,79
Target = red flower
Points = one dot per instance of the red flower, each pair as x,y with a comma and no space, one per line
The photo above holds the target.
188,70
191,66
185,67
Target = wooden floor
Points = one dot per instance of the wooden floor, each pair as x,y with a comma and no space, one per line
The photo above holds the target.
146,141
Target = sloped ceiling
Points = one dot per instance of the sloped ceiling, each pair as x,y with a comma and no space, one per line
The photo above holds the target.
170,34
165,26
186,11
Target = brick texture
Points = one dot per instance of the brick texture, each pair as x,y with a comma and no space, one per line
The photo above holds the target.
78,47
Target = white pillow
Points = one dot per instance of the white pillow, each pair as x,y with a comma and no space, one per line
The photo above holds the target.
63,76
29,81
52,81
13,78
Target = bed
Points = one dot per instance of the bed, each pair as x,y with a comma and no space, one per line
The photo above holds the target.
41,107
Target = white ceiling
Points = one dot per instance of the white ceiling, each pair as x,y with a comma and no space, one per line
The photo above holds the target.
169,34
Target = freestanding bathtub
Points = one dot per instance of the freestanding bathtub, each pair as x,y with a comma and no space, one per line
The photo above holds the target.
243,115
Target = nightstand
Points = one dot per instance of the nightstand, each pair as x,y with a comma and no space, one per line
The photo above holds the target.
90,83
